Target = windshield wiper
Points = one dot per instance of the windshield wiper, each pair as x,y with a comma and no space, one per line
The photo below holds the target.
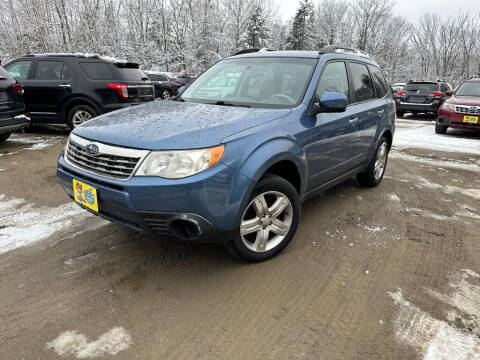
224,103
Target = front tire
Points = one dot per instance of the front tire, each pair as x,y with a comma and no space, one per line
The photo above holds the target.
376,169
440,129
269,221
80,114
4,136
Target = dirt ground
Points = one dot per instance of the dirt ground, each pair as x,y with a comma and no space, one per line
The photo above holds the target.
384,273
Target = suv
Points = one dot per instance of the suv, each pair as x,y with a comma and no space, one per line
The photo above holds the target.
71,89
164,83
12,108
234,167
422,97
462,110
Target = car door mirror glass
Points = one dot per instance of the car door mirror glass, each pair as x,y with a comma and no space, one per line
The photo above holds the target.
331,102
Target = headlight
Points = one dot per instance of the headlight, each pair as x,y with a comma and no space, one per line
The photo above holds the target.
178,164
448,106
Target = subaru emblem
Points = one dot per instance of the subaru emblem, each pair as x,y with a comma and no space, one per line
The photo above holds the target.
92,149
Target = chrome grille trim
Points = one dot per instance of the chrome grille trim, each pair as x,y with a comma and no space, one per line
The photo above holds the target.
113,162
465,109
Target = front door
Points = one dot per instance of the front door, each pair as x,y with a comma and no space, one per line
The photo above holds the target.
330,138
50,86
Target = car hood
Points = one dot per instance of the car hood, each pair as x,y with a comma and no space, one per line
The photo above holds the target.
160,125
465,100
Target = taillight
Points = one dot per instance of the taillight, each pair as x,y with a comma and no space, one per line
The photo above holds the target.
17,89
436,94
186,84
174,83
122,89
401,93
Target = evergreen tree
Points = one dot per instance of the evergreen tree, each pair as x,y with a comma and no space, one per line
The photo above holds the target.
302,33
257,30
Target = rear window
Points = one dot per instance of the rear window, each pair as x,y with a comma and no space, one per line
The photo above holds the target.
4,73
132,74
96,70
362,83
381,87
421,87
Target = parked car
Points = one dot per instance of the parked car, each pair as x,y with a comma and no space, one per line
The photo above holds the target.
462,109
398,87
234,168
71,89
12,108
165,84
422,97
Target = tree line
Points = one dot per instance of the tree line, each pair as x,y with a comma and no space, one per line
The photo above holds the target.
189,35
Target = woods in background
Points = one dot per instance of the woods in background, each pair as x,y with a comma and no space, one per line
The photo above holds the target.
189,35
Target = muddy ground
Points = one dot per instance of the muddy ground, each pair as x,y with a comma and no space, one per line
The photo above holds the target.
384,273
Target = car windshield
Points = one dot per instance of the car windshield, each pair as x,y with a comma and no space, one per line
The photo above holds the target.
421,87
256,82
469,89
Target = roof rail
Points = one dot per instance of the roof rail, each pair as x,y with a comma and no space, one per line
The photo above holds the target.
339,49
91,56
248,51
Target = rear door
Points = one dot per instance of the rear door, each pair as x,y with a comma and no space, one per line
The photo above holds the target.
330,143
50,86
365,107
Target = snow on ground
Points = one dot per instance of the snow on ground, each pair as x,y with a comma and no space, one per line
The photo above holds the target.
457,339
421,134
21,223
73,343
31,143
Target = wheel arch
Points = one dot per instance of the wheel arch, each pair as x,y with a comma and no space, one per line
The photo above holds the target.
78,100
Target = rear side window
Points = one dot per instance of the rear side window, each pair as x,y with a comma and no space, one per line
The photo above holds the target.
421,87
334,79
96,70
132,74
379,82
52,70
361,82
20,69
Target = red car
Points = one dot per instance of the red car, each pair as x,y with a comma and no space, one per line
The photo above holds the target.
462,109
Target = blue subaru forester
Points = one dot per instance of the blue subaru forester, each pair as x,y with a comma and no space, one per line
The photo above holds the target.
231,159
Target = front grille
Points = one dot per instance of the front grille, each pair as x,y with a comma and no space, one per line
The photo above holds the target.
110,161
471,110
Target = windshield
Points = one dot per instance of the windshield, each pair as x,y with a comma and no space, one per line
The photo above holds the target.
421,87
468,89
256,82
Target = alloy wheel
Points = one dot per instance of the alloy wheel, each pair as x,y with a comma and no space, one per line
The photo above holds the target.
80,116
381,161
266,221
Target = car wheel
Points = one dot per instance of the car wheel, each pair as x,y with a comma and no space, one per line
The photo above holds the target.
441,129
400,114
376,169
166,94
269,221
79,114
4,136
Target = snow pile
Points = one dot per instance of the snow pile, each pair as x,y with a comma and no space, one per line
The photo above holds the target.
73,343
416,134
31,143
22,223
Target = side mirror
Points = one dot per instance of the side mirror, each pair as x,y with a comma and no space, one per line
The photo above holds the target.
449,93
330,102
181,90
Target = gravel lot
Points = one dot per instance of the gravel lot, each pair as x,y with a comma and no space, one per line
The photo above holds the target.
385,273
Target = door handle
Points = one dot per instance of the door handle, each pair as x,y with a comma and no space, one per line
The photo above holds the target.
65,85
353,121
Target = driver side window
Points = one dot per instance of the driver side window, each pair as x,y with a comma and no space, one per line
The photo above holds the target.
333,79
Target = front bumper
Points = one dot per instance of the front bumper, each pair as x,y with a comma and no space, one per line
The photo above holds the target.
419,108
209,202
455,120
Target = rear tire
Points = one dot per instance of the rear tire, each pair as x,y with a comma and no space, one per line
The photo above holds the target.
376,169
400,114
440,129
166,94
267,230
79,114
4,136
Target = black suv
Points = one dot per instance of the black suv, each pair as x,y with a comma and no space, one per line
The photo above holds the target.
165,84
422,97
71,89
12,108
